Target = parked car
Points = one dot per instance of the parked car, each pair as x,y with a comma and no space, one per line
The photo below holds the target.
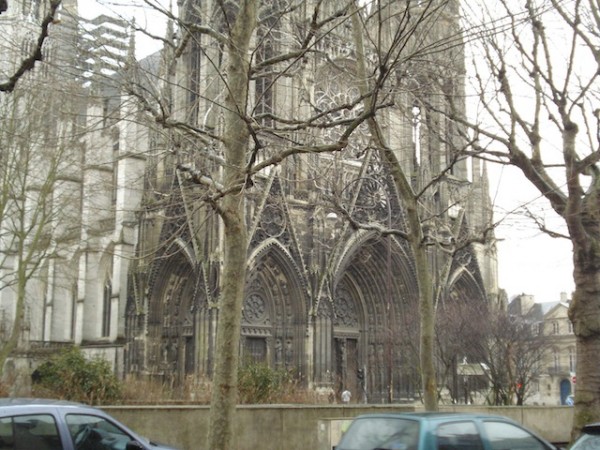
41,424
438,431
589,439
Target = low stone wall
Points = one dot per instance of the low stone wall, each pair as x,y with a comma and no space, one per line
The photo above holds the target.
302,427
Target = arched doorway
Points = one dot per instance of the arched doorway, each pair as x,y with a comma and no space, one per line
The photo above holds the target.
274,312
565,391
373,321
172,307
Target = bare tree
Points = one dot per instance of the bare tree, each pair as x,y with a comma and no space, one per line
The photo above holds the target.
434,280
250,49
512,351
460,325
488,352
38,187
538,112
35,201
240,58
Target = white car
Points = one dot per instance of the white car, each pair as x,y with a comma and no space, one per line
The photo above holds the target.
42,424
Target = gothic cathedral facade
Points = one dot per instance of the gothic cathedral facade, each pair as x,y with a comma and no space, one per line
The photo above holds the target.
329,297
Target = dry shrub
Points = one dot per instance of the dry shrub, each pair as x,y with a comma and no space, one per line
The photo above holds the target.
260,383
70,375
257,384
148,390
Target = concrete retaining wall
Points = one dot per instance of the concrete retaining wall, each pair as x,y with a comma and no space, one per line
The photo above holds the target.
302,427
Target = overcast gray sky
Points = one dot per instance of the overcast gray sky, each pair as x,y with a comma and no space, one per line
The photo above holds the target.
529,261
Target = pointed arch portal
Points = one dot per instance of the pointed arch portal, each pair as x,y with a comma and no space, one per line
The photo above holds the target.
171,320
372,315
274,312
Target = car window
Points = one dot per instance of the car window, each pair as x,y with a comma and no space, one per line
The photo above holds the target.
91,432
6,434
458,435
33,431
504,436
587,442
385,432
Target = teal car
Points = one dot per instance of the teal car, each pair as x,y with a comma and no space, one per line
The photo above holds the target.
439,431
589,439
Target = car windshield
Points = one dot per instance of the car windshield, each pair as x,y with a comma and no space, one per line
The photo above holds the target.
587,442
385,432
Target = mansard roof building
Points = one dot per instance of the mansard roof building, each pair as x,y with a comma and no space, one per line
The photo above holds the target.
328,296
556,377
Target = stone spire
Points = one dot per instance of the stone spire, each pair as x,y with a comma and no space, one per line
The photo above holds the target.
131,47
167,66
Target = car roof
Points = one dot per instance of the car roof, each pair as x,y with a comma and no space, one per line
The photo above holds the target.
424,416
19,402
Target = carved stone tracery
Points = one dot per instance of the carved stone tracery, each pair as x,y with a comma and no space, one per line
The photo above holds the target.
345,314
255,310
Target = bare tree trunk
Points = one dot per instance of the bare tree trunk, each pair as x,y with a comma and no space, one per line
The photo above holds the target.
415,236
584,312
427,320
11,343
232,211
581,215
562,104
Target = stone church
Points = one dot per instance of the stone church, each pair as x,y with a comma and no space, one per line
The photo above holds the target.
329,297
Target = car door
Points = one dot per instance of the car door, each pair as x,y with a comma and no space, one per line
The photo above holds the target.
94,432
39,431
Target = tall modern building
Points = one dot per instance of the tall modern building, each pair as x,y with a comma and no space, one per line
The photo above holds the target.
331,300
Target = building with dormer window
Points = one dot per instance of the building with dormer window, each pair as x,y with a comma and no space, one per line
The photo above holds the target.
557,376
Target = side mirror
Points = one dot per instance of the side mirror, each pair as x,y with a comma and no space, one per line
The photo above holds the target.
134,445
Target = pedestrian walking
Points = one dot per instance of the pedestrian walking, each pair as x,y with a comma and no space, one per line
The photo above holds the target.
346,396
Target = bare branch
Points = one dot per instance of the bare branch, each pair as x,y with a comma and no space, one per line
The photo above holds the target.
28,63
